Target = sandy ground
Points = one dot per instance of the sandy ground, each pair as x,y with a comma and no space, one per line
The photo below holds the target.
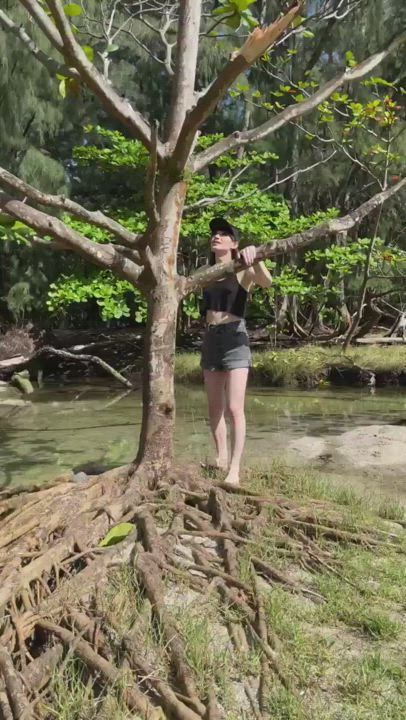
372,457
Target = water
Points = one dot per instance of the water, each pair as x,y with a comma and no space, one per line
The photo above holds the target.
66,427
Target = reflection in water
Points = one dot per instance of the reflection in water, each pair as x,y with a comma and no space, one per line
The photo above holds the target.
67,427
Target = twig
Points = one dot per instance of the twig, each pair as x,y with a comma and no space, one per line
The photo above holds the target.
86,358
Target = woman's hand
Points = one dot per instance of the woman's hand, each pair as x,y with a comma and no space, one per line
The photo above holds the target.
248,255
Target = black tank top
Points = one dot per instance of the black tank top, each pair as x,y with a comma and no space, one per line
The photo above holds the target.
225,295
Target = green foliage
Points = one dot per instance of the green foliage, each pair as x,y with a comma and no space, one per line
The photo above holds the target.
191,306
112,150
113,296
235,13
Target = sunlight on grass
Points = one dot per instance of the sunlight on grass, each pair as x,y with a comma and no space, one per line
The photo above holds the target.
306,366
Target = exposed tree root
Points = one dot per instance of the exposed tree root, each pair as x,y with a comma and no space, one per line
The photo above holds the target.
202,536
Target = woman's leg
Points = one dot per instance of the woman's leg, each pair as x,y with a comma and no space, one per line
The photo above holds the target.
235,400
215,382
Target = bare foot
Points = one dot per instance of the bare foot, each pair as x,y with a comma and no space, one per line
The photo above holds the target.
233,477
216,465
221,463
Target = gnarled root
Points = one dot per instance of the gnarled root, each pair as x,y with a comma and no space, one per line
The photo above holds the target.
196,535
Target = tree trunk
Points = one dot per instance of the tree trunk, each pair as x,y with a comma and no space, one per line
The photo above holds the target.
155,452
158,412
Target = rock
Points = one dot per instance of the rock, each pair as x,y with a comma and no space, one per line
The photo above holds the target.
378,445
79,477
91,469
180,597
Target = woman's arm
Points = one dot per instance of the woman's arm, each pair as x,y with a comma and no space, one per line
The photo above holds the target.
262,276
255,274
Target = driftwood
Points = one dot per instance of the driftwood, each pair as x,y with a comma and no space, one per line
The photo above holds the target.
20,362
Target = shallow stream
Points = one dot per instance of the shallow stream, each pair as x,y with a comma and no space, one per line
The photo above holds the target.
71,426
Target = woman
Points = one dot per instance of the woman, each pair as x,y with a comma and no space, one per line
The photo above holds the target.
226,356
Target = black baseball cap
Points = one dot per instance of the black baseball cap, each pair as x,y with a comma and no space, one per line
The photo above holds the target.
223,224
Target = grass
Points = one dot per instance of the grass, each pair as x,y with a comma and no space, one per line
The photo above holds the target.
307,366
73,697
345,657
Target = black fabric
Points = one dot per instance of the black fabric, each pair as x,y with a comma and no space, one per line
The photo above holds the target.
225,295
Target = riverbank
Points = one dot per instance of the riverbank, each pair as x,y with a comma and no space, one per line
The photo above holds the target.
304,366
312,365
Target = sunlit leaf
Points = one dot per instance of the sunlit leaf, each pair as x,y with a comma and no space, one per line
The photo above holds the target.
72,10
117,534
88,52
62,88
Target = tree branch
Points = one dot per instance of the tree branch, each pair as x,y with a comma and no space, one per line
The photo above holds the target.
150,184
44,23
295,111
183,86
208,274
116,105
66,355
257,43
14,184
45,225
49,63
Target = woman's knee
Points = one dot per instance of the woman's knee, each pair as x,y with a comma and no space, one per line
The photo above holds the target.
235,411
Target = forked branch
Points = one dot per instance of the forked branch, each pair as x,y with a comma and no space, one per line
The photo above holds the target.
45,225
257,43
62,38
292,112
295,242
13,184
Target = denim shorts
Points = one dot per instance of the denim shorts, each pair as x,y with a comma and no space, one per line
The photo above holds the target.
226,347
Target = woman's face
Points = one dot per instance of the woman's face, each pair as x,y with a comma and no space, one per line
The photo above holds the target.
222,242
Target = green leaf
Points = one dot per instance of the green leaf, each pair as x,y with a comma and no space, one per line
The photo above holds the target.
242,5
297,21
72,10
62,88
308,34
349,56
19,226
88,52
117,534
248,19
227,8
233,22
